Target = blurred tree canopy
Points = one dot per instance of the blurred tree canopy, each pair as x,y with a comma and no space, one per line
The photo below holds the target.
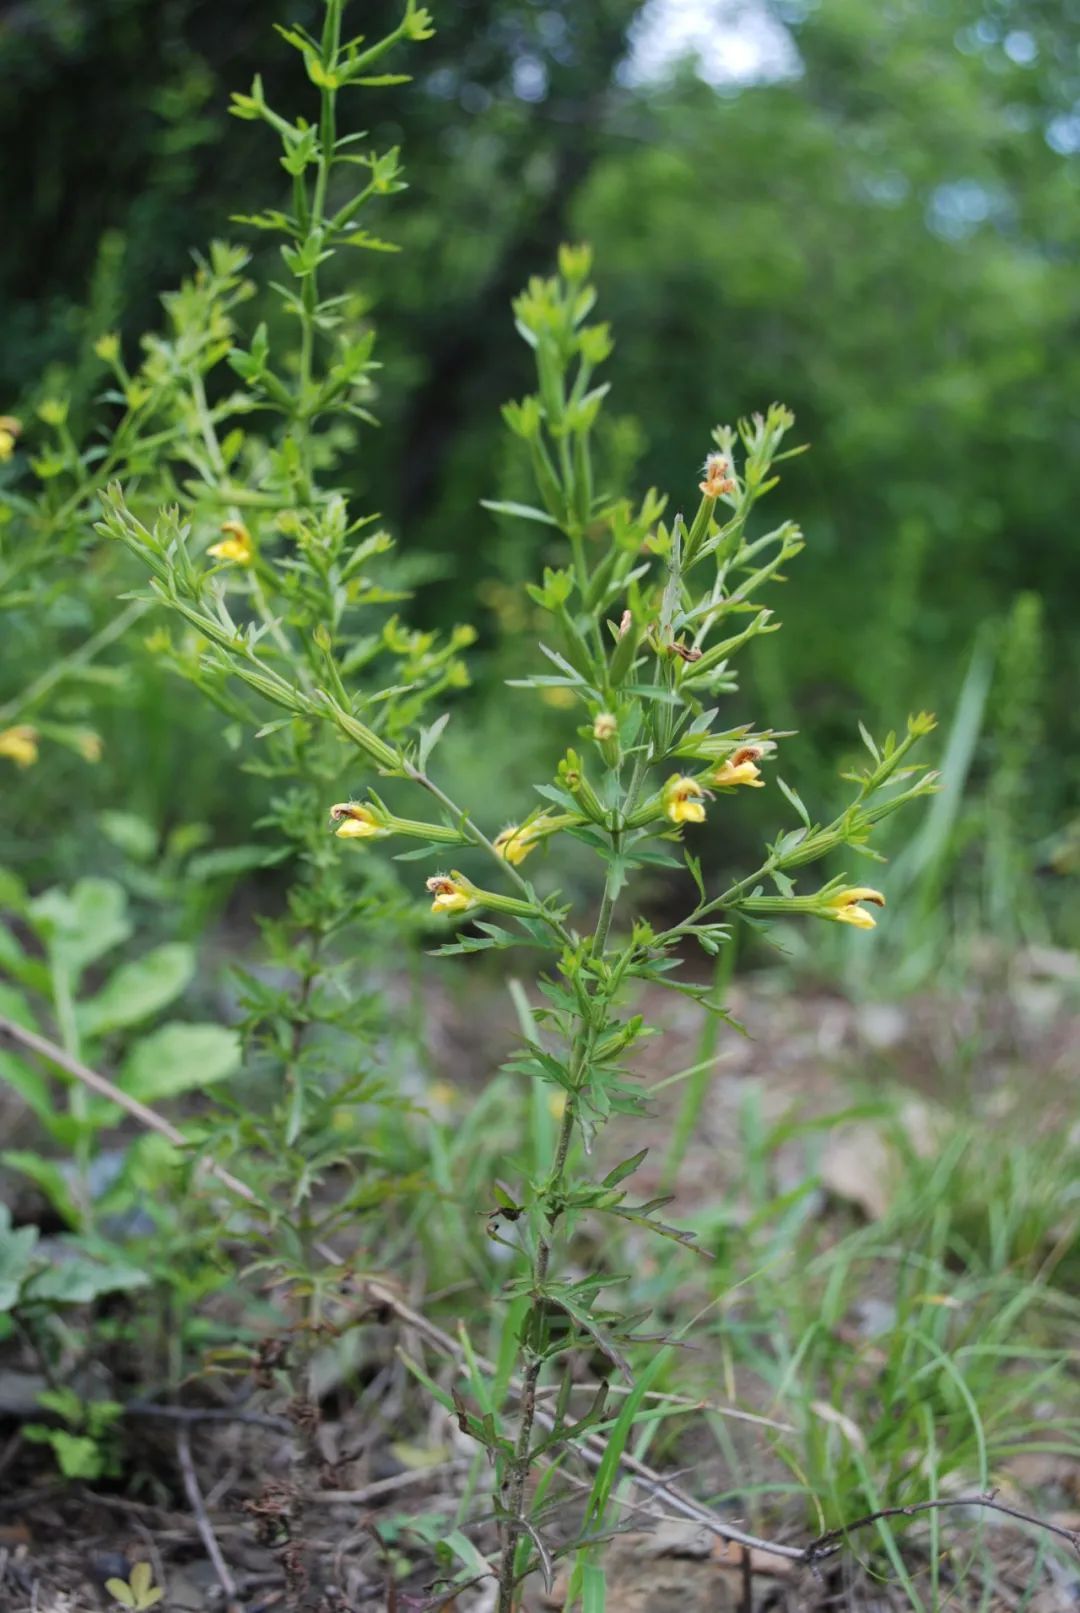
885,237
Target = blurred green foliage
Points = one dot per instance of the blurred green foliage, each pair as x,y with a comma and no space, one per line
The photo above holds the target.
883,234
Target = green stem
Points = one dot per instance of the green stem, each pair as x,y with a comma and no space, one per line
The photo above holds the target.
551,1201
476,837
85,653
521,1463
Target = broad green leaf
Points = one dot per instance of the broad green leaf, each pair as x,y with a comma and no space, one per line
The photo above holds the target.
139,989
84,923
16,1258
81,1280
132,835
76,1456
180,1058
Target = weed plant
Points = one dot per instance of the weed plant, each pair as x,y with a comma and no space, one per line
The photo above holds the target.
220,477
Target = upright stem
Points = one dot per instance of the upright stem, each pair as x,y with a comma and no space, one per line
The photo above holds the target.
521,1463
552,1197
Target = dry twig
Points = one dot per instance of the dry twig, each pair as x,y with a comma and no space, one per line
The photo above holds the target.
202,1521
828,1544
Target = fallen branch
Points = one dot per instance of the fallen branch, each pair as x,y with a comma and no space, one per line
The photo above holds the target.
203,1524
827,1545
207,1414
389,1486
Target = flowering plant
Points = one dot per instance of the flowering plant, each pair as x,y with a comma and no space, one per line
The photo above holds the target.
646,617
266,569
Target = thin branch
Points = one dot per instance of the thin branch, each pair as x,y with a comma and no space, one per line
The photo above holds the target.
56,1055
203,1524
206,1414
397,1481
828,1544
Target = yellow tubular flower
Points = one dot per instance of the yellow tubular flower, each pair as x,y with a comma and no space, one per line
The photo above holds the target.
19,745
682,800
449,893
514,844
237,546
844,906
355,822
740,768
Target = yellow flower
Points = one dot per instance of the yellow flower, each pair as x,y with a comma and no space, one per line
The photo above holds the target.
605,726
355,822
717,480
682,800
450,894
237,545
514,844
740,768
9,430
19,745
844,906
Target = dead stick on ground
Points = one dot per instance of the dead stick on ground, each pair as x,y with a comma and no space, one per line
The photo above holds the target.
202,1521
591,1447
826,1545
397,1481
